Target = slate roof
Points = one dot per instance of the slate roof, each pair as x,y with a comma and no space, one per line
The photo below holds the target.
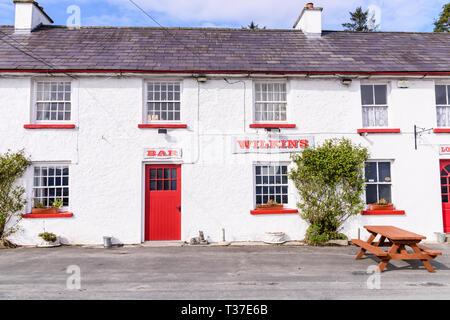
206,49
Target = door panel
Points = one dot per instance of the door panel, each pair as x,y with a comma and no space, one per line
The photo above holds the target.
162,202
445,191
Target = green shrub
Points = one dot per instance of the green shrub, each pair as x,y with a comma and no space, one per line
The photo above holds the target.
48,236
330,182
315,236
12,201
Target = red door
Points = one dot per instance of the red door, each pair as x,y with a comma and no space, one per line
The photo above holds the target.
445,186
162,202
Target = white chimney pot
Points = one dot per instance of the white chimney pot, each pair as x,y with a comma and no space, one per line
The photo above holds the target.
29,16
310,21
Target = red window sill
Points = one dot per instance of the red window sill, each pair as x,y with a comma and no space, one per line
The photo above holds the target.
441,130
282,211
162,126
272,125
391,130
49,126
382,212
56,215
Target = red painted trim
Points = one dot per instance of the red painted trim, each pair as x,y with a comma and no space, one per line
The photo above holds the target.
43,216
441,130
272,125
396,130
49,126
170,126
382,212
282,211
195,71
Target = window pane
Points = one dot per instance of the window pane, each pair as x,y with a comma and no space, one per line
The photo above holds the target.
384,169
371,193
442,116
371,172
385,192
441,94
367,94
381,94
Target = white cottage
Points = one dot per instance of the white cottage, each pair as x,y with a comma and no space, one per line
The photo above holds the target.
151,134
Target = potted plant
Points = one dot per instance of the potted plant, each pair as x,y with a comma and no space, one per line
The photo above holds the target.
270,205
49,240
381,204
58,204
39,208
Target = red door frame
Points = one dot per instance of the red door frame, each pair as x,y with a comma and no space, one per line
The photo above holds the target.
445,192
162,220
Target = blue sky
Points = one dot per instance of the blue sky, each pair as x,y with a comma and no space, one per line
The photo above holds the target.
392,15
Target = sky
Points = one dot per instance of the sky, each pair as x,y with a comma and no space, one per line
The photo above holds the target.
391,15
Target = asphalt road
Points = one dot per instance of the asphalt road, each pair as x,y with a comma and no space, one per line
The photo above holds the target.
250,272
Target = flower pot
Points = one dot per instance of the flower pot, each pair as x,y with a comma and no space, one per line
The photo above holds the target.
269,207
388,206
49,210
275,237
49,244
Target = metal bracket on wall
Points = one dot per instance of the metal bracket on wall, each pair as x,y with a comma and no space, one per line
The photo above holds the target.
417,132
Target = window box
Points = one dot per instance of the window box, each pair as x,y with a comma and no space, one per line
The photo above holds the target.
162,126
272,125
49,210
373,207
281,211
390,130
269,207
45,216
49,126
382,212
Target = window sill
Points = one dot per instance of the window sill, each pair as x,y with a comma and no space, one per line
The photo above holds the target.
390,130
162,126
44,216
282,211
441,130
382,212
272,125
49,126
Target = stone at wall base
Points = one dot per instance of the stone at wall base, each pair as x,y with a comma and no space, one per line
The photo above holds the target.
339,242
48,244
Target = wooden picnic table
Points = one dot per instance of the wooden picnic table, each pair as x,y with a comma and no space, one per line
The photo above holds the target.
397,239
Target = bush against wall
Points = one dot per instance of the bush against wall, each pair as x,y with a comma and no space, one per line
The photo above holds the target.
330,181
12,200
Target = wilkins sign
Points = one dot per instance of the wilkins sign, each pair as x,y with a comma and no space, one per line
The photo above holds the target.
271,144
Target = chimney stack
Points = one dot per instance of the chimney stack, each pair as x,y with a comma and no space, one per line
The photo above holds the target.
29,16
310,21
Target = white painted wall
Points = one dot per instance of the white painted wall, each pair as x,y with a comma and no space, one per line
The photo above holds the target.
28,16
106,155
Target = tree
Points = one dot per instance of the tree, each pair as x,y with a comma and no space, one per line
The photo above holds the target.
443,23
253,26
361,21
12,201
330,182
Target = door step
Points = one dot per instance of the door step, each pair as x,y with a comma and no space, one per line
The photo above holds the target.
175,243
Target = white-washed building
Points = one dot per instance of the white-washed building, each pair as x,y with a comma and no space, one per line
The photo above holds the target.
154,134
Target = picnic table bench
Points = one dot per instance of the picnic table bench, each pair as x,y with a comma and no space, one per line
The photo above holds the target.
397,239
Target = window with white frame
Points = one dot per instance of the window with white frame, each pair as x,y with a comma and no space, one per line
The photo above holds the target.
270,101
271,183
163,101
443,105
374,105
50,183
378,181
53,101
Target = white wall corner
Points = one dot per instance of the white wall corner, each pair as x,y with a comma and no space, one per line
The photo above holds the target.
28,16
310,22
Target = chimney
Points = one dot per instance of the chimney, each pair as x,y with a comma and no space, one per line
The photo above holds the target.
310,21
29,16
